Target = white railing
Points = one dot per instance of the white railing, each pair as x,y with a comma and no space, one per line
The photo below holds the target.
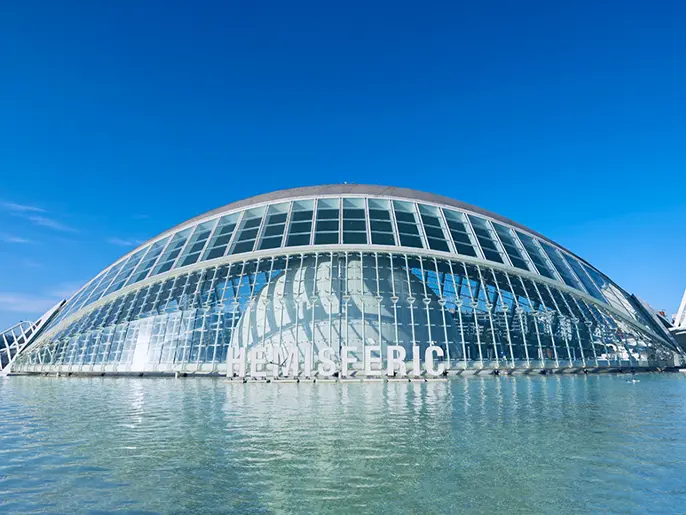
18,337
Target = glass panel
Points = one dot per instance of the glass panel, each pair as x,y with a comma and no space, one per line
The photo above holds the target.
408,232
326,238
273,230
328,213
148,261
510,244
275,226
587,282
536,255
380,222
171,253
459,233
301,227
77,301
106,281
196,244
301,223
560,265
487,240
475,314
327,225
614,295
434,228
354,221
221,237
247,234
297,240
125,273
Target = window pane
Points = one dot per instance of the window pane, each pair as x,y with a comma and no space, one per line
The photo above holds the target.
327,225
354,225
327,214
354,221
354,237
411,241
301,223
381,226
297,240
536,255
301,215
273,230
486,239
277,218
380,223
587,282
275,225
379,238
270,243
466,250
353,214
221,237
408,233
510,245
326,238
106,281
245,238
433,232
405,217
560,265
434,228
196,243
378,214
459,232
242,247
148,261
406,228
301,227
436,244
126,272
172,252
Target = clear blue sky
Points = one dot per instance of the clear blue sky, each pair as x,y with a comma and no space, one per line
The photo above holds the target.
119,119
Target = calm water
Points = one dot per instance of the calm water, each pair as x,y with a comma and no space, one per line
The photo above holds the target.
594,444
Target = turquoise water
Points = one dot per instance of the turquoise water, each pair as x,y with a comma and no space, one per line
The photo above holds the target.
588,444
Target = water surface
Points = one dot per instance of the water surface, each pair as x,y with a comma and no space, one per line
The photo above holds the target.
587,444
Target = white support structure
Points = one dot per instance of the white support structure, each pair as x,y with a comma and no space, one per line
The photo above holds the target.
18,337
680,320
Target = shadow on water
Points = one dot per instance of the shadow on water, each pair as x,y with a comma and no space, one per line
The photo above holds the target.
581,444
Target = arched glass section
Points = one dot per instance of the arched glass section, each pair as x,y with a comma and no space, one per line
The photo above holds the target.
482,317
348,266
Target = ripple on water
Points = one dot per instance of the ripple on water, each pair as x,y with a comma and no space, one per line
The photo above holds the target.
478,445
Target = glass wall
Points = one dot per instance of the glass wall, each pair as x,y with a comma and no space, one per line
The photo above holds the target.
356,222
479,315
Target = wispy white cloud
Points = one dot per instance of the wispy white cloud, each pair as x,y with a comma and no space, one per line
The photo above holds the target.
35,215
23,303
21,208
37,304
121,242
10,238
50,223
30,263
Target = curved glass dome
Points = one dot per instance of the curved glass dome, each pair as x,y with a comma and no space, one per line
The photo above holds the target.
347,273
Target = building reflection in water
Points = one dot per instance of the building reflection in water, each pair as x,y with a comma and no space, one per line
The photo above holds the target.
520,444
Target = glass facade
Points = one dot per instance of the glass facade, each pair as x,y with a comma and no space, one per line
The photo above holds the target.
334,270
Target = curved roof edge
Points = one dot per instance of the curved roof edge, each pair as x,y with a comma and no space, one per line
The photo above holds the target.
358,189
371,190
